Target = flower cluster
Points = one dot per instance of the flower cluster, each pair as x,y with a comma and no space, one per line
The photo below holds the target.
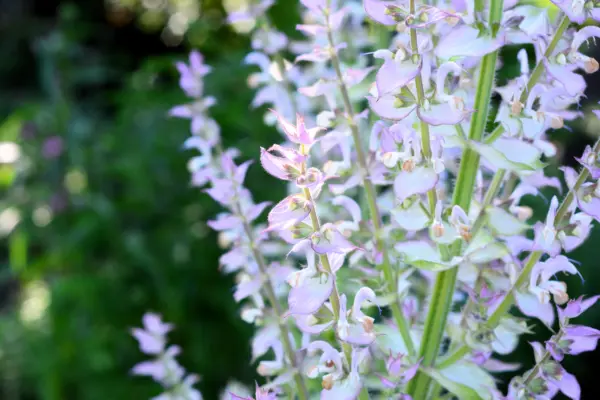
404,226
164,368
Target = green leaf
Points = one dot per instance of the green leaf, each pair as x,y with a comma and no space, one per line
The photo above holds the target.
423,255
504,223
464,379
459,390
510,154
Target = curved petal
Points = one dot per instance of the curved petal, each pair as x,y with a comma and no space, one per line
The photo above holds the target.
442,114
393,75
308,297
464,41
377,10
384,107
418,181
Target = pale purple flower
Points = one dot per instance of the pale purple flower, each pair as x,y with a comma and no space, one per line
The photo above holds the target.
191,75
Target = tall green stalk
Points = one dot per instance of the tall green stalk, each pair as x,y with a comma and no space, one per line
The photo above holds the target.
443,291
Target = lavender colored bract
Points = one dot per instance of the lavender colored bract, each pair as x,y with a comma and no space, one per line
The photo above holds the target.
403,226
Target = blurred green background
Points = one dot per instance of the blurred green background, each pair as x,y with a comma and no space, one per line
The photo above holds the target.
98,223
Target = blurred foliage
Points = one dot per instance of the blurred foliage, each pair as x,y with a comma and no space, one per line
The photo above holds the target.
108,227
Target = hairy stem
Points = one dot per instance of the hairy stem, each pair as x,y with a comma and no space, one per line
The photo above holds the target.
443,291
371,195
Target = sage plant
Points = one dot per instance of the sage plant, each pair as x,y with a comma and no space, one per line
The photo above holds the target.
390,269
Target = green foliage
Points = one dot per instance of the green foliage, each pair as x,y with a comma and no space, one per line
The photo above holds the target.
111,228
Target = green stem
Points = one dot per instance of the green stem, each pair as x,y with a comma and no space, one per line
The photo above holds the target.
533,258
334,298
443,291
487,200
535,75
371,195
425,136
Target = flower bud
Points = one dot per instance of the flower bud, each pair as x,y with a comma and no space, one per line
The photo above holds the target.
438,229
327,382
408,165
523,212
557,122
516,107
561,297
590,65
368,324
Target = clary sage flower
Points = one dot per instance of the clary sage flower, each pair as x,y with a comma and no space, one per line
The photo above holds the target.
403,227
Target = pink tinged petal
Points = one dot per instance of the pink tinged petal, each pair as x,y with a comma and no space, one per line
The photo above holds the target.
354,76
590,206
567,6
494,365
234,259
311,29
155,369
308,297
464,41
531,306
315,5
153,324
246,289
549,268
259,59
149,343
442,114
387,383
224,222
274,165
288,128
264,394
569,386
573,83
393,75
410,372
330,240
288,212
377,10
303,322
384,107
336,19
182,111
256,210
575,308
432,16
418,181
582,344
263,340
